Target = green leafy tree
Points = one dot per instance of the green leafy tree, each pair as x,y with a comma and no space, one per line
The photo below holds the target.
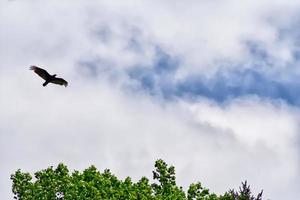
90,184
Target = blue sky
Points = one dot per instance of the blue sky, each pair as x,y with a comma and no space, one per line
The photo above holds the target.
200,84
158,79
223,86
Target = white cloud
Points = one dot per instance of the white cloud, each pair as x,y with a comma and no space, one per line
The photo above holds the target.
207,32
94,121
201,34
84,125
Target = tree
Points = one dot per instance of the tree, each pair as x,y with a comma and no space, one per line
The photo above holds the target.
90,184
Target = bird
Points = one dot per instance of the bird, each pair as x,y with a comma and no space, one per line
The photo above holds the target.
47,77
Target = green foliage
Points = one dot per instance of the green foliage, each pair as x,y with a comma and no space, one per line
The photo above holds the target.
166,188
196,191
90,184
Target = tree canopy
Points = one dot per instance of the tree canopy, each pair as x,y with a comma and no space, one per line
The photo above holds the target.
59,183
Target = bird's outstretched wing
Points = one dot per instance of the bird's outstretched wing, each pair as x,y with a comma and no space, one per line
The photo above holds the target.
60,81
41,72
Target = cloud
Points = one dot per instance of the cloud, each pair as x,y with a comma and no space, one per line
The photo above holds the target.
101,125
208,86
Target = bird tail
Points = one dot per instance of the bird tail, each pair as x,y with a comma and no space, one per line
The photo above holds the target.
44,84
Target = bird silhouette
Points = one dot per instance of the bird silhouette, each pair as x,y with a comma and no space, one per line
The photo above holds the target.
47,77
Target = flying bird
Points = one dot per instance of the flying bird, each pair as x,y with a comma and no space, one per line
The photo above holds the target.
47,77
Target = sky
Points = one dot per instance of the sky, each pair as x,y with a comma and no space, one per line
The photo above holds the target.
210,86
